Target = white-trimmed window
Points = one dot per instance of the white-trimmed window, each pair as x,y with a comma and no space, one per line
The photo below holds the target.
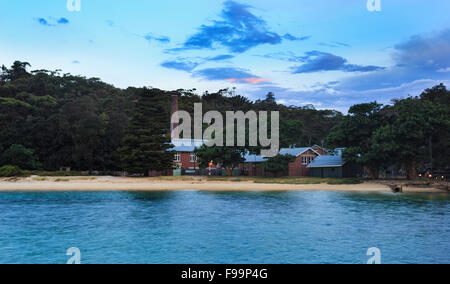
304,160
307,160
193,158
177,158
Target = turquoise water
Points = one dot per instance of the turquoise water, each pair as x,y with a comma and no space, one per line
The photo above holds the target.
201,227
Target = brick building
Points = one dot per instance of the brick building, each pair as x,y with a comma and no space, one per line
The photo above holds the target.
304,156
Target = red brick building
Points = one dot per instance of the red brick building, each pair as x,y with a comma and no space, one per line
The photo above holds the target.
186,160
184,157
304,157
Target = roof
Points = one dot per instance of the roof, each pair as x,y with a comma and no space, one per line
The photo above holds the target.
327,162
188,142
255,159
319,147
186,145
296,151
182,149
285,151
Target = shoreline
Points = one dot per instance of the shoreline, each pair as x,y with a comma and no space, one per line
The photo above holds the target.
93,184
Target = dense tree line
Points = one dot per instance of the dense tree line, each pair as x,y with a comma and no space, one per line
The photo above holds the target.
411,134
50,120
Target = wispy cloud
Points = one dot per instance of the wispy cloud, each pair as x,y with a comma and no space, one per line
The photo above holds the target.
150,37
220,57
238,30
422,57
51,22
188,64
316,61
162,39
334,44
180,64
232,75
63,21
294,38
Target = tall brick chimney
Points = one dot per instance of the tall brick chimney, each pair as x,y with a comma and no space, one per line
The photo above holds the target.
173,109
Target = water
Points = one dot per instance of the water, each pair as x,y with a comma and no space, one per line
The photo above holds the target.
204,227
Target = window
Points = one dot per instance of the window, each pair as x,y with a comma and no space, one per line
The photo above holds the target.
193,158
304,160
177,158
307,160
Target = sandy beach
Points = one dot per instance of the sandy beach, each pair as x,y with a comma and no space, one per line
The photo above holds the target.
185,183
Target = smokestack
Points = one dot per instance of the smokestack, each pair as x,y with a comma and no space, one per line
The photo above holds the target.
174,109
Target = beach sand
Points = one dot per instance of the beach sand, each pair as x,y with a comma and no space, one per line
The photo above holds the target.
182,183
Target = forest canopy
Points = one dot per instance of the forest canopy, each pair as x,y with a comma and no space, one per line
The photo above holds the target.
50,120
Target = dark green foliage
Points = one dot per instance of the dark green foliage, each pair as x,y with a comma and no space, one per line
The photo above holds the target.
279,164
302,126
355,133
19,156
228,157
413,133
78,122
69,121
11,171
146,141
439,145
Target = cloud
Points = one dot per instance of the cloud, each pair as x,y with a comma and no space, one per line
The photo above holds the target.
238,30
420,62
220,57
431,52
180,64
162,39
150,37
334,44
44,22
444,70
232,75
283,56
316,61
326,97
422,57
51,22
76,62
188,64
294,38
63,21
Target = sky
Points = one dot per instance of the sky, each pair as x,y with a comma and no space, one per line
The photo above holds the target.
328,53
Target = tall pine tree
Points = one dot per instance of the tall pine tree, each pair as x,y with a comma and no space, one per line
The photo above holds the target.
146,141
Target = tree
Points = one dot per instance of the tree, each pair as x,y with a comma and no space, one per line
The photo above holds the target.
18,70
406,139
227,157
78,122
291,132
146,142
19,156
439,141
355,133
279,164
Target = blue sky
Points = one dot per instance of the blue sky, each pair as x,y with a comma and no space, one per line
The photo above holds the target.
330,53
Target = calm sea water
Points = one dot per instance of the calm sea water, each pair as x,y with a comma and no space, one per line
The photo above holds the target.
201,227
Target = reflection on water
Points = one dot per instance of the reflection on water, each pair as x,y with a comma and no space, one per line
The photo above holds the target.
224,227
